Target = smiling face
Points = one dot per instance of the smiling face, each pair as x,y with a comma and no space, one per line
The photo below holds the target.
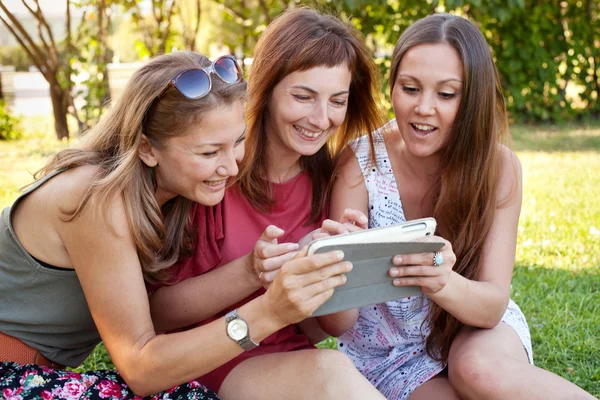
197,164
426,96
305,110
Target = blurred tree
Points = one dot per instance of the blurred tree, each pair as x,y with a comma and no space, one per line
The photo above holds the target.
548,54
157,34
584,25
190,12
46,54
245,20
90,55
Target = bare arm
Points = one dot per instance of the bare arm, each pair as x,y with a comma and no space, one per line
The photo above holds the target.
196,299
477,303
201,297
106,262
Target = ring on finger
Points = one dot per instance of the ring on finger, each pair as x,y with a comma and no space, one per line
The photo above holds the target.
438,259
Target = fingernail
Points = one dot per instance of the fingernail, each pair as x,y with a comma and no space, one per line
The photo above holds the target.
363,219
393,272
397,282
339,254
292,246
397,259
344,278
349,266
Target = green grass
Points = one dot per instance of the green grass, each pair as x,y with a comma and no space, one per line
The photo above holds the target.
557,273
21,158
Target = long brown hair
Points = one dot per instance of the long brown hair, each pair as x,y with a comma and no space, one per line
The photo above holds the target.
160,233
301,39
465,194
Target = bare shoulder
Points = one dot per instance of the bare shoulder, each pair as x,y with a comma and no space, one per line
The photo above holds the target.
391,133
101,214
509,158
349,169
349,190
68,188
61,192
41,220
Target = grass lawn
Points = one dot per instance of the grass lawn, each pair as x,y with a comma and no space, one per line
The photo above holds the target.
557,272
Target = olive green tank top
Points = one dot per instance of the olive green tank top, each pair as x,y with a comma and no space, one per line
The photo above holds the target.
41,306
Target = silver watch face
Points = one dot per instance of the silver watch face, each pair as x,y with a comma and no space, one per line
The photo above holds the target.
237,329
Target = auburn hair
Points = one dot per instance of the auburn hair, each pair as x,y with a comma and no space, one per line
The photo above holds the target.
161,234
465,195
298,40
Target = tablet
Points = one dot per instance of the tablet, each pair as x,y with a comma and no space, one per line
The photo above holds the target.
371,252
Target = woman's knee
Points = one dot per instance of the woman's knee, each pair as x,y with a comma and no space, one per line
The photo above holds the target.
475,372
333,368
331,361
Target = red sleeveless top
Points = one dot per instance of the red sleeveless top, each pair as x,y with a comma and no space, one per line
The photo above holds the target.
229,231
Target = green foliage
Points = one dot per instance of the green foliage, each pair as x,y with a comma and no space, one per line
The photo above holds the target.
156,33
15,56
9,125
548,54
244,20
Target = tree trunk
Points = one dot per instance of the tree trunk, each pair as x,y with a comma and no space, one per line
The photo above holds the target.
59,108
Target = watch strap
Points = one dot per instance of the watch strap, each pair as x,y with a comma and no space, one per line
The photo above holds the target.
247,343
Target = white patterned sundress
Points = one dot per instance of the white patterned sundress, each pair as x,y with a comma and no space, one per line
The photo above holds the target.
387,344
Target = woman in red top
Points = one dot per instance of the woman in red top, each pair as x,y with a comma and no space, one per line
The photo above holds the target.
311,91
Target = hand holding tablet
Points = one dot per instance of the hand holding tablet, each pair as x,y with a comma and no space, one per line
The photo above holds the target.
371,252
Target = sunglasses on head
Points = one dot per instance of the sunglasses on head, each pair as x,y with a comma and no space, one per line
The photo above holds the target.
196,83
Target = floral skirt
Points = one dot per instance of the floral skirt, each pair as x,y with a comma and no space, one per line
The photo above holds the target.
21,382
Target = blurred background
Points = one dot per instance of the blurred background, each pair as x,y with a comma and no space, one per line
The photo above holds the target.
63,61
70,57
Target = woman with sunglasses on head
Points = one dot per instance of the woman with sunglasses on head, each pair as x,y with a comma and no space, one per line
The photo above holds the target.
103,216
443,157
310,92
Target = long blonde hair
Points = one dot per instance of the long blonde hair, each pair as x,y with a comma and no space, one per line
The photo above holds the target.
161,234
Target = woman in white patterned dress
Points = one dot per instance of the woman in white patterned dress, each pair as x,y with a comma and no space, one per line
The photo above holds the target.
444,158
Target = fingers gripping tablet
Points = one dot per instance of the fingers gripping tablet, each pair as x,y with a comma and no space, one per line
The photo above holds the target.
371,252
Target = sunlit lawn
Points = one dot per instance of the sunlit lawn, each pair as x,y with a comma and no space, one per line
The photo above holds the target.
557,274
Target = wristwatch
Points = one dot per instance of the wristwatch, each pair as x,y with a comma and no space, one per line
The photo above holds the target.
237,329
